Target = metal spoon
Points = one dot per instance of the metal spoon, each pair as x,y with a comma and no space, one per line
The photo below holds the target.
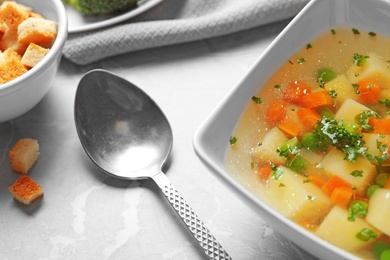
126,134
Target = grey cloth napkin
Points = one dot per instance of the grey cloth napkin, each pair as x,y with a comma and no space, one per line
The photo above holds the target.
177,21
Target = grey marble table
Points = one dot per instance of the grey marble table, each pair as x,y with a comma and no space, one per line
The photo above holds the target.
85,214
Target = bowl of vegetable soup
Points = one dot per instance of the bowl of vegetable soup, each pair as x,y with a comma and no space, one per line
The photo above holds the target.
304,137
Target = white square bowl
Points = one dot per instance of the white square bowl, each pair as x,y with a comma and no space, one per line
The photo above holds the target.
212,138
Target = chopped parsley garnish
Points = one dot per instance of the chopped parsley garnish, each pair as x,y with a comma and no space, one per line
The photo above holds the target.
357,208
385,101
289,148
366,234
257,100
233,140
356,87
363,118
301,60
309,46
355,31
359,59
332,93
357,173
277,86
372,34
343,136
333,31
379,159
276,172
339,134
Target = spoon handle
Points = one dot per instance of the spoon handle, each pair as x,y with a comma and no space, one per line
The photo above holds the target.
208,242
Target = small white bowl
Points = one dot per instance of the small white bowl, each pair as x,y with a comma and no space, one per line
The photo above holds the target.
212,138
23,93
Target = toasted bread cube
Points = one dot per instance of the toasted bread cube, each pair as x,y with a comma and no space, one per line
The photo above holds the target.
33,55
37,30
3,29
10,41
25,8
24,155
12,14
297,199
338,230
26,190
334,162
11,66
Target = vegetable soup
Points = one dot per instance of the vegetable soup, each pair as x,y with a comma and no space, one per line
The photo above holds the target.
314,142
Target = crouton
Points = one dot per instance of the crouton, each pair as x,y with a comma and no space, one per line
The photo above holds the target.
12,14
33,55
11,66
26,190
37,30
24,155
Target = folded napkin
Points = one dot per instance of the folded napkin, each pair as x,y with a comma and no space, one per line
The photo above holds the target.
177,21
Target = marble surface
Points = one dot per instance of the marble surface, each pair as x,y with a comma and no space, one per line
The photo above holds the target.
85,214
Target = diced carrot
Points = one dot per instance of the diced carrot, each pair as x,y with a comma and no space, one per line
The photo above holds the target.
342,195
290,127
317,99
334,182
308,117
316,181
276,111
295,91
381,125
387,184
369,91
264,171
357,197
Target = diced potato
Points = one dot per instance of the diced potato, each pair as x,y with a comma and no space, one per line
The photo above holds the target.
379,210
267,150
374,68
342,86
310,156
349,109
314,167
371,142
334,162
338,230
295,198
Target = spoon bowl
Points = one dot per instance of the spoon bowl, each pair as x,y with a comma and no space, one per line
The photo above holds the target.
125,133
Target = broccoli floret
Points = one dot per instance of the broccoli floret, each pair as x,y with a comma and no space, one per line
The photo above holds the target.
101,7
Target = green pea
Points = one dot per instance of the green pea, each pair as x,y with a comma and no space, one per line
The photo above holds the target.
325,75
309,141
385,255
297,164
326,112
381,178
371,189
379,247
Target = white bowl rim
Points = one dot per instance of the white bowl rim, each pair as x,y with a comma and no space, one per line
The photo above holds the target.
62,34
